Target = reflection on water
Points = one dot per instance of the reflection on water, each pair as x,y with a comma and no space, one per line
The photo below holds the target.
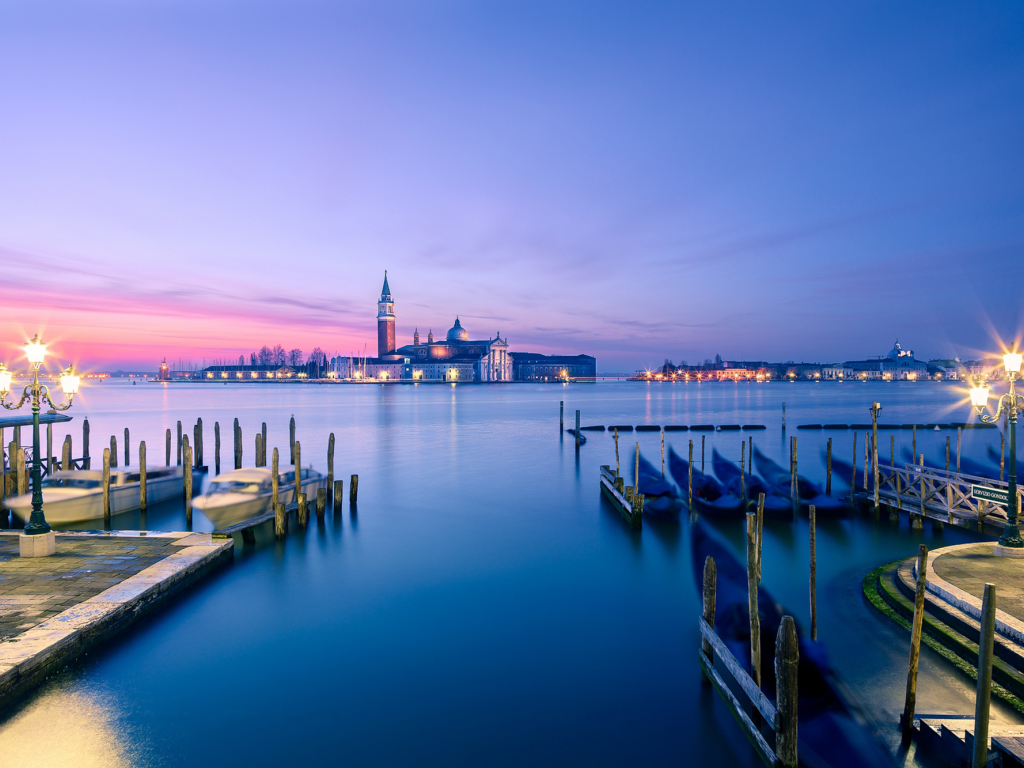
486,607
65,726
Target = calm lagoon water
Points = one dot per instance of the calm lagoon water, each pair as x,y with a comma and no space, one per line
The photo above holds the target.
483,605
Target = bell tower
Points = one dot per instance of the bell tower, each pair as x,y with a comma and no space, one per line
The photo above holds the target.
385,321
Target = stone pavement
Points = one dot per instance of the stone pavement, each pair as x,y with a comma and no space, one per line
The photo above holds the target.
971,566
53,609
34,589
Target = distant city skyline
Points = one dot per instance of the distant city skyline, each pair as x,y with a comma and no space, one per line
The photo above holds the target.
630,182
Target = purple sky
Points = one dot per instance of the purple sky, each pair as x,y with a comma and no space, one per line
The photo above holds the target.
634,181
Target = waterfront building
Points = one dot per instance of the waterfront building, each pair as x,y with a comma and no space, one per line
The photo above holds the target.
531,366
249,372
898,365
456,358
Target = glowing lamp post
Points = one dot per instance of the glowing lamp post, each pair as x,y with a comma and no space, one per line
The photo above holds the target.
35,351
1010,404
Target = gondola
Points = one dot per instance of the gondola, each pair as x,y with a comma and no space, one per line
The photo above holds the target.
661,497
809,494
776,504
710,497
832,727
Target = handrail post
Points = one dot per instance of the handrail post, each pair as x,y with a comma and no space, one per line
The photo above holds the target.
709,595
907,721
787,665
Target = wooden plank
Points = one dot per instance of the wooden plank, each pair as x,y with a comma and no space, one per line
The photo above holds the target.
1011,748
763,750
723,654
252,522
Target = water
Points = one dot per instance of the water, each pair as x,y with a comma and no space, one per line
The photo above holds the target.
483,605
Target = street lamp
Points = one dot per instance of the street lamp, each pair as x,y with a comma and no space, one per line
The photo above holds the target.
35,351
1010,404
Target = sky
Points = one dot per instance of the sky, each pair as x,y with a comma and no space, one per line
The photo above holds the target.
635,181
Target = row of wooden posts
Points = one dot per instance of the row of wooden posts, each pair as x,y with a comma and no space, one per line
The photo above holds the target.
189,455
783,713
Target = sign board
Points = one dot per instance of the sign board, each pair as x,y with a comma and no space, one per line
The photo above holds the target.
984,493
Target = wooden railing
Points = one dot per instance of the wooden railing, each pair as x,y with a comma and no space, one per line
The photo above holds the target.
939,494
781,716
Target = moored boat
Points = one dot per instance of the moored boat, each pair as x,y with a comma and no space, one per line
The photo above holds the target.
77,494
240,494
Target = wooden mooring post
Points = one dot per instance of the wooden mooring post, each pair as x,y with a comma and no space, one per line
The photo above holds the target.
275,479
142,476
794,488
238,445
577,428
618,473
907,721
353,490
280,519
709,596
65,454
561,416
663,452
321,503
814,576
106,485
167,447
338,490
689,483
113,452
853,476
913,445
828,467
755,618
263,434
179,444
917,521
702,453
297,453
760,530
196,439
85,445
947,453
983,698
787,667
743,475
330,467
291,437
303,510
187,466
259,447
958,431
216,447
875,408
200,449
783,416
127,454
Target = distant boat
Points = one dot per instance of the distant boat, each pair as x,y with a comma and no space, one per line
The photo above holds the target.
583,438
832,729
240,494
77,494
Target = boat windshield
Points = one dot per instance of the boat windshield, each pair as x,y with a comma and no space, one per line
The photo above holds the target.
234,487
70,482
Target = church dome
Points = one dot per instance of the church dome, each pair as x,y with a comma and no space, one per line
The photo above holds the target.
457,332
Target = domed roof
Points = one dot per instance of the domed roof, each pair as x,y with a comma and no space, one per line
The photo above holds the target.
457,332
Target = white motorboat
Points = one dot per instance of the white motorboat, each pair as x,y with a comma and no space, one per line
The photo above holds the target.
244,493
77,495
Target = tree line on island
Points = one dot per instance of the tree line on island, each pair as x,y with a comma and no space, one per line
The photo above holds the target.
276,357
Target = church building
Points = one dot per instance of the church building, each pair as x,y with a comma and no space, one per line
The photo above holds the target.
457,358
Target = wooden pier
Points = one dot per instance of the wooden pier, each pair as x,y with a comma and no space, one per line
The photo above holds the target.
623,497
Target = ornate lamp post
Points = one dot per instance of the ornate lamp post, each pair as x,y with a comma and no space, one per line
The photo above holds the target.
35,351
1010,404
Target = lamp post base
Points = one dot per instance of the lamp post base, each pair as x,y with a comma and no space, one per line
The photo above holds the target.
39,545
1000,551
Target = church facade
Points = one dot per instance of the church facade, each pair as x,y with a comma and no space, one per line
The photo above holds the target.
456,358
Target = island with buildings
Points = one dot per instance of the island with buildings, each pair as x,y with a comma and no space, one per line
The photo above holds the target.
898,365
454,359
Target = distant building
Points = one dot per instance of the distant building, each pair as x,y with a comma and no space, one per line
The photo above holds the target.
898,365
530,366
248,372
165,372
457,358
